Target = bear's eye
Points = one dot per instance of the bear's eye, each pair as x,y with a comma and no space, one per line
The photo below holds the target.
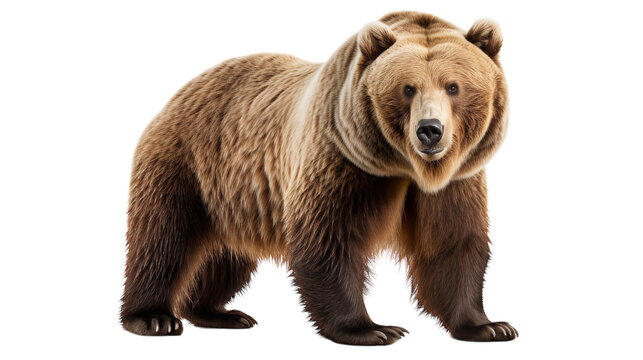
409,90
452,88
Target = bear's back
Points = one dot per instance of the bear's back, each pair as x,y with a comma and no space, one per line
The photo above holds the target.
230,125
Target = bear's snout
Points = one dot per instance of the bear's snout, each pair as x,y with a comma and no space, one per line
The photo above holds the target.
429,132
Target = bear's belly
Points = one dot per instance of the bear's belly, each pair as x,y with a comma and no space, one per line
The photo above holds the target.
246,206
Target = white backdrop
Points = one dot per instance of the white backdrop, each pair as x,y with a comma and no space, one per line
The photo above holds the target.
80,81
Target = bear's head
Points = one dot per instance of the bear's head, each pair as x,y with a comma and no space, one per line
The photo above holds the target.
426,100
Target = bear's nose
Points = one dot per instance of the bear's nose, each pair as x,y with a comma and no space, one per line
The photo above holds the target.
429,131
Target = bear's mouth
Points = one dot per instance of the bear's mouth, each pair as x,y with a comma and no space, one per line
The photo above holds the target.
431,151
432,154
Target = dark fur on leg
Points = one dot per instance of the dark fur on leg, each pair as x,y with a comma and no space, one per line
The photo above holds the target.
224,275
329,255
166,217
449,255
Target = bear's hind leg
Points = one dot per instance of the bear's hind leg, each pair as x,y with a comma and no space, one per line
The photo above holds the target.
224,275
166,219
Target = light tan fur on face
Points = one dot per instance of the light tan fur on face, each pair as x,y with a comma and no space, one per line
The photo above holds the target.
432,104
428,55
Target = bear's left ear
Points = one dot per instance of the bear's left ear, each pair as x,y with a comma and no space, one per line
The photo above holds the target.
486,35
374,39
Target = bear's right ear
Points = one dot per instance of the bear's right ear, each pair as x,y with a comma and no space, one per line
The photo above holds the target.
374,39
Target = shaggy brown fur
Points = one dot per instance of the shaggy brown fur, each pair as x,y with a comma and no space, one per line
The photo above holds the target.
319,166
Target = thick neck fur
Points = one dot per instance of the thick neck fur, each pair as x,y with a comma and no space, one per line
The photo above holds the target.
347,120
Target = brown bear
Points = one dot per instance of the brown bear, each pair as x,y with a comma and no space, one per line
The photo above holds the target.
322,166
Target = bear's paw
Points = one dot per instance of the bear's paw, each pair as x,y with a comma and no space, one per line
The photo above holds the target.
496,331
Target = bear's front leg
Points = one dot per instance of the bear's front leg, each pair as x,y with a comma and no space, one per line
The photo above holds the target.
448,251
329,216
